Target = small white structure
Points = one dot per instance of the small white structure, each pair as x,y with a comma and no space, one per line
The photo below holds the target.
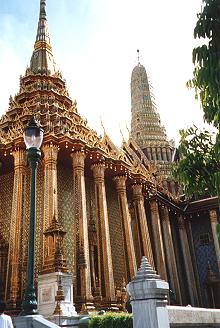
148,294
47,290
33,321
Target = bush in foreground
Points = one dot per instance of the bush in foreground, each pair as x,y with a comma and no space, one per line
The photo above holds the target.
111,320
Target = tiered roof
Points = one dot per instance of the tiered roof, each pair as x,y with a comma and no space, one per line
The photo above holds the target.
43,93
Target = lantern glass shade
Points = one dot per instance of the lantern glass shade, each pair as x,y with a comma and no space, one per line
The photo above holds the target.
33,135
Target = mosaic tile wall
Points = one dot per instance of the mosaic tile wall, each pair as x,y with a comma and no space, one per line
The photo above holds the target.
65,213
204,253
6,183
90,204
39,217
39,221
179,259
116,235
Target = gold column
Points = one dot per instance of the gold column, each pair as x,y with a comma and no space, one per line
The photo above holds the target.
3,265
106,278
50,152
158,242
15,244
214,222
50,183
171,261
83,288
191,281
126,222
140,215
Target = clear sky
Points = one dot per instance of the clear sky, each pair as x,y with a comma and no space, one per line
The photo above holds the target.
94,44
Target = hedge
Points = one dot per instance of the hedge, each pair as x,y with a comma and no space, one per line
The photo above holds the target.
111,320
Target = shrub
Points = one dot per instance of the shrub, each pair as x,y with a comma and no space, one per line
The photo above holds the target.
111,320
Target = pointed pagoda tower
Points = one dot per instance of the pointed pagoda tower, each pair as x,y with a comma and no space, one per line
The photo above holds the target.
80,176
97,191
42,93
146,128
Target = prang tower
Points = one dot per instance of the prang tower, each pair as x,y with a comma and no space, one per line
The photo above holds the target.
146,128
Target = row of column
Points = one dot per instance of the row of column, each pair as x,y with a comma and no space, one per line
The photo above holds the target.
83,290
163,246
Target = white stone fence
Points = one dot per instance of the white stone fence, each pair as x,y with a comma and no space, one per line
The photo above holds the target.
184,317
148,295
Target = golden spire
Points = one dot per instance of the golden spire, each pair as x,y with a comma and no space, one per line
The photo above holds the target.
42,31
42,61
138,55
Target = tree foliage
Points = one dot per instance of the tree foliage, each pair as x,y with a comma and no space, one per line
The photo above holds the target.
206,59
198,167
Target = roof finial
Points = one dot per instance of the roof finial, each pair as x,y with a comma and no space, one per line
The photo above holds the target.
42,61
42,31
138,56
42,9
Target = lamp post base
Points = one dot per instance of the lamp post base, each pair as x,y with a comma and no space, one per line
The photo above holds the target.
29,304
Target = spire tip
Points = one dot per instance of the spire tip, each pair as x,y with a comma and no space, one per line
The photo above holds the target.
138,53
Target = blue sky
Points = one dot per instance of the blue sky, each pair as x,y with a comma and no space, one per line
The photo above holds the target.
94,44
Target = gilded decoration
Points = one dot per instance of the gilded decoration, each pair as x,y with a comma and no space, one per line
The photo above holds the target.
181,223
6,182
213,216
83,288
84,203
126,227
104,246
164,213
16,232
65,205
119,252
55,260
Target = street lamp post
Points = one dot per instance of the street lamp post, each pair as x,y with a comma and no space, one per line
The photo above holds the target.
33,137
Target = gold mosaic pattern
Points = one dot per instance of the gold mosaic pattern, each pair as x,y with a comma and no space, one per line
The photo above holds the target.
39,218
6,183
116,235
76,213
65,213
26,220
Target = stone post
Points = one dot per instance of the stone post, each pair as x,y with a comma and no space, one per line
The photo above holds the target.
148,294
15,245
83,291
214,222
158,242
170,254
142,222
126,223
105,266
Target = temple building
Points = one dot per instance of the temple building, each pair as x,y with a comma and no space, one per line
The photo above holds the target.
110,205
